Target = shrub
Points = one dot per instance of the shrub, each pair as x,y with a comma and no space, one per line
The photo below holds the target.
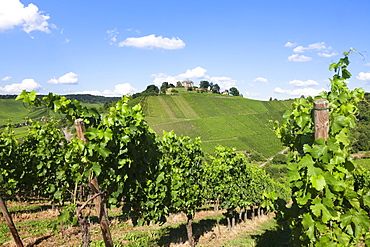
279,159
256,156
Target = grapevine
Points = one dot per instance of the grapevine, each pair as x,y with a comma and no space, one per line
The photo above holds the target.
326,210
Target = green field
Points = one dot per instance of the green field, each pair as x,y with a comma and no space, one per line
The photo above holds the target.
217,119
16,112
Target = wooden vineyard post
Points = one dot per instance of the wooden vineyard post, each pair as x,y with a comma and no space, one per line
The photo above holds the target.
321,118
100,207
10,223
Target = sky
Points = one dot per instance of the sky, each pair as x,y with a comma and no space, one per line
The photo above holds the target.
266,49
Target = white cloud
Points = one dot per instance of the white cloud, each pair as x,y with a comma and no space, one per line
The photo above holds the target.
323,54
112,35
299,58
363,76
368,64
6,78
150,41
223,81
261,79
16,88
251,94
14,13
299,83
299,49
316,46
69,78
299,92
197,73
289,44
118,91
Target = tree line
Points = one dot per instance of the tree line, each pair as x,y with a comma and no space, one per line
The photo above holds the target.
205,86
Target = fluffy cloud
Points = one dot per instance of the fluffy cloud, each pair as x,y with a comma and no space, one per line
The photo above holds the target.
299,83
368,64
16,88
299,58
299,92
289,44
118,91
363,76
261,79
69,78
323,54
317,46
151,41
197,73
6,78
223,82
14,13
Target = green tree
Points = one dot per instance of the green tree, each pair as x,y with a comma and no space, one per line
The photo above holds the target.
204,84
151,88
164,87
234,91
215,88
179,84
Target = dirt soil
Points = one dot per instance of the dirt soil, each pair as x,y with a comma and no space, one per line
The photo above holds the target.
71,236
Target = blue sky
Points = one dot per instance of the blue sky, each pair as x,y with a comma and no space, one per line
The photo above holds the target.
279,49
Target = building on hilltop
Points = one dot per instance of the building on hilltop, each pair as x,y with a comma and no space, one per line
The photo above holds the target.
187,84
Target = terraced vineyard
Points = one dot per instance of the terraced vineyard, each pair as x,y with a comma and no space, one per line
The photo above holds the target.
15,111
218,119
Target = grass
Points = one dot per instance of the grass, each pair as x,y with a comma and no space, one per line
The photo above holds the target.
217,120
34,222
363,162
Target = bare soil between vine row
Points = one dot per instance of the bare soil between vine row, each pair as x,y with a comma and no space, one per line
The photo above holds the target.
175,236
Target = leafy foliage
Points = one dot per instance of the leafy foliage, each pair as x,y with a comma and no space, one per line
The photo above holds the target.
237,183
183,157
361,134
43,167
234,91
9,163
204,84
327,210
121,151
279,159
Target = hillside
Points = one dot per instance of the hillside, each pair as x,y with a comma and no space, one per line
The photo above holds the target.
14,110
217,119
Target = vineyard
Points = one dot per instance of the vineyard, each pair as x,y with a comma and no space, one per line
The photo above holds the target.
220,120
118,164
